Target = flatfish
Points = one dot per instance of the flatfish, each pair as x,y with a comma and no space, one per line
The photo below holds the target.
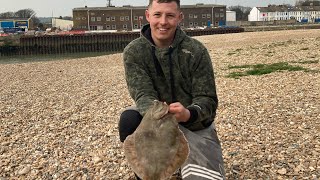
158,147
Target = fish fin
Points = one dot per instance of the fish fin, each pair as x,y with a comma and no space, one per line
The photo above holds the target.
180,157
131,155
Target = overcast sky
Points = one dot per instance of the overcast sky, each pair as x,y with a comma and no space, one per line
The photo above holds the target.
55,8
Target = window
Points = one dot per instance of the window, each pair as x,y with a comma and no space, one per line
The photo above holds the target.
99,27
84,18
182,24
221,15
195,16
204,23
93,28
98,18
221,10
125,26
195,24
190,24
121,18
190,16
127,18
204,16
78,18
141,18
93,18
113,18
208,15
114,27
135,26
108,18
216,14
135,18
108,27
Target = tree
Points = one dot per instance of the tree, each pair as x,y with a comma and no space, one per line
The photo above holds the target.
24,13
241,12
307,3
7,15
41,26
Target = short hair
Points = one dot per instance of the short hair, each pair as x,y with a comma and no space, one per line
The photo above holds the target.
165,1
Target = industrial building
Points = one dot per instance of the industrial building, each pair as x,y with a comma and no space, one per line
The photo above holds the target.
131,18
15,24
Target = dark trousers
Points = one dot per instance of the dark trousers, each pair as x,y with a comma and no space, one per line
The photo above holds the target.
129,121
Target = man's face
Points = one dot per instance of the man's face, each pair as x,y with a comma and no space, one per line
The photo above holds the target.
164,19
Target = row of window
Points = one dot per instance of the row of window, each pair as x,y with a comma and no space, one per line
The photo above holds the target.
111,18
194,24
286,18
136,18
137,26
112,27
291,13
277,18
195,16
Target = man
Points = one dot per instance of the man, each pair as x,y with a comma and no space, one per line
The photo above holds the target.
165,64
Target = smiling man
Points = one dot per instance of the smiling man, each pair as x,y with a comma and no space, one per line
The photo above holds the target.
167,65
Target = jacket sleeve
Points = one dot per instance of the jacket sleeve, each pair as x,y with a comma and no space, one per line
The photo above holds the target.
205,100
138,81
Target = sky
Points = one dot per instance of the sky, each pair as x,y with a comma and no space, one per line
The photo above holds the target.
56,8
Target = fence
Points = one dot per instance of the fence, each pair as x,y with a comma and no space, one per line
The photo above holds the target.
104,42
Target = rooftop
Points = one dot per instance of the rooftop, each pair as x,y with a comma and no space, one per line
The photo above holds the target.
199,5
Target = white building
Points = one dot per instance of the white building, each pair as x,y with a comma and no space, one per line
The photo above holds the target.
62,24
230,16
271,13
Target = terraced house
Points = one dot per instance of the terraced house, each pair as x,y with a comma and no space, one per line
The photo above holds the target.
300,13
131,18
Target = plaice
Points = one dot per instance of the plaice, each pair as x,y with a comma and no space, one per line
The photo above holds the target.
157,148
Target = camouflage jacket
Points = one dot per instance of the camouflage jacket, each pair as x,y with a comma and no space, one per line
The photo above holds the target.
180,73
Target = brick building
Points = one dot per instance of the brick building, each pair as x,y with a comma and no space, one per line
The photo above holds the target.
128,18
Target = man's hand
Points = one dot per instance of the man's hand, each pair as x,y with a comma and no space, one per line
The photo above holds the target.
181,113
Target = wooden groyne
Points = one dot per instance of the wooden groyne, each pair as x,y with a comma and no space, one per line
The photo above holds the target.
89,42
57,44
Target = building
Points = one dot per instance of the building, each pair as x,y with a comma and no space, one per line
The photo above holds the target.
62,24
231,16
131,18
281,12
23,23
